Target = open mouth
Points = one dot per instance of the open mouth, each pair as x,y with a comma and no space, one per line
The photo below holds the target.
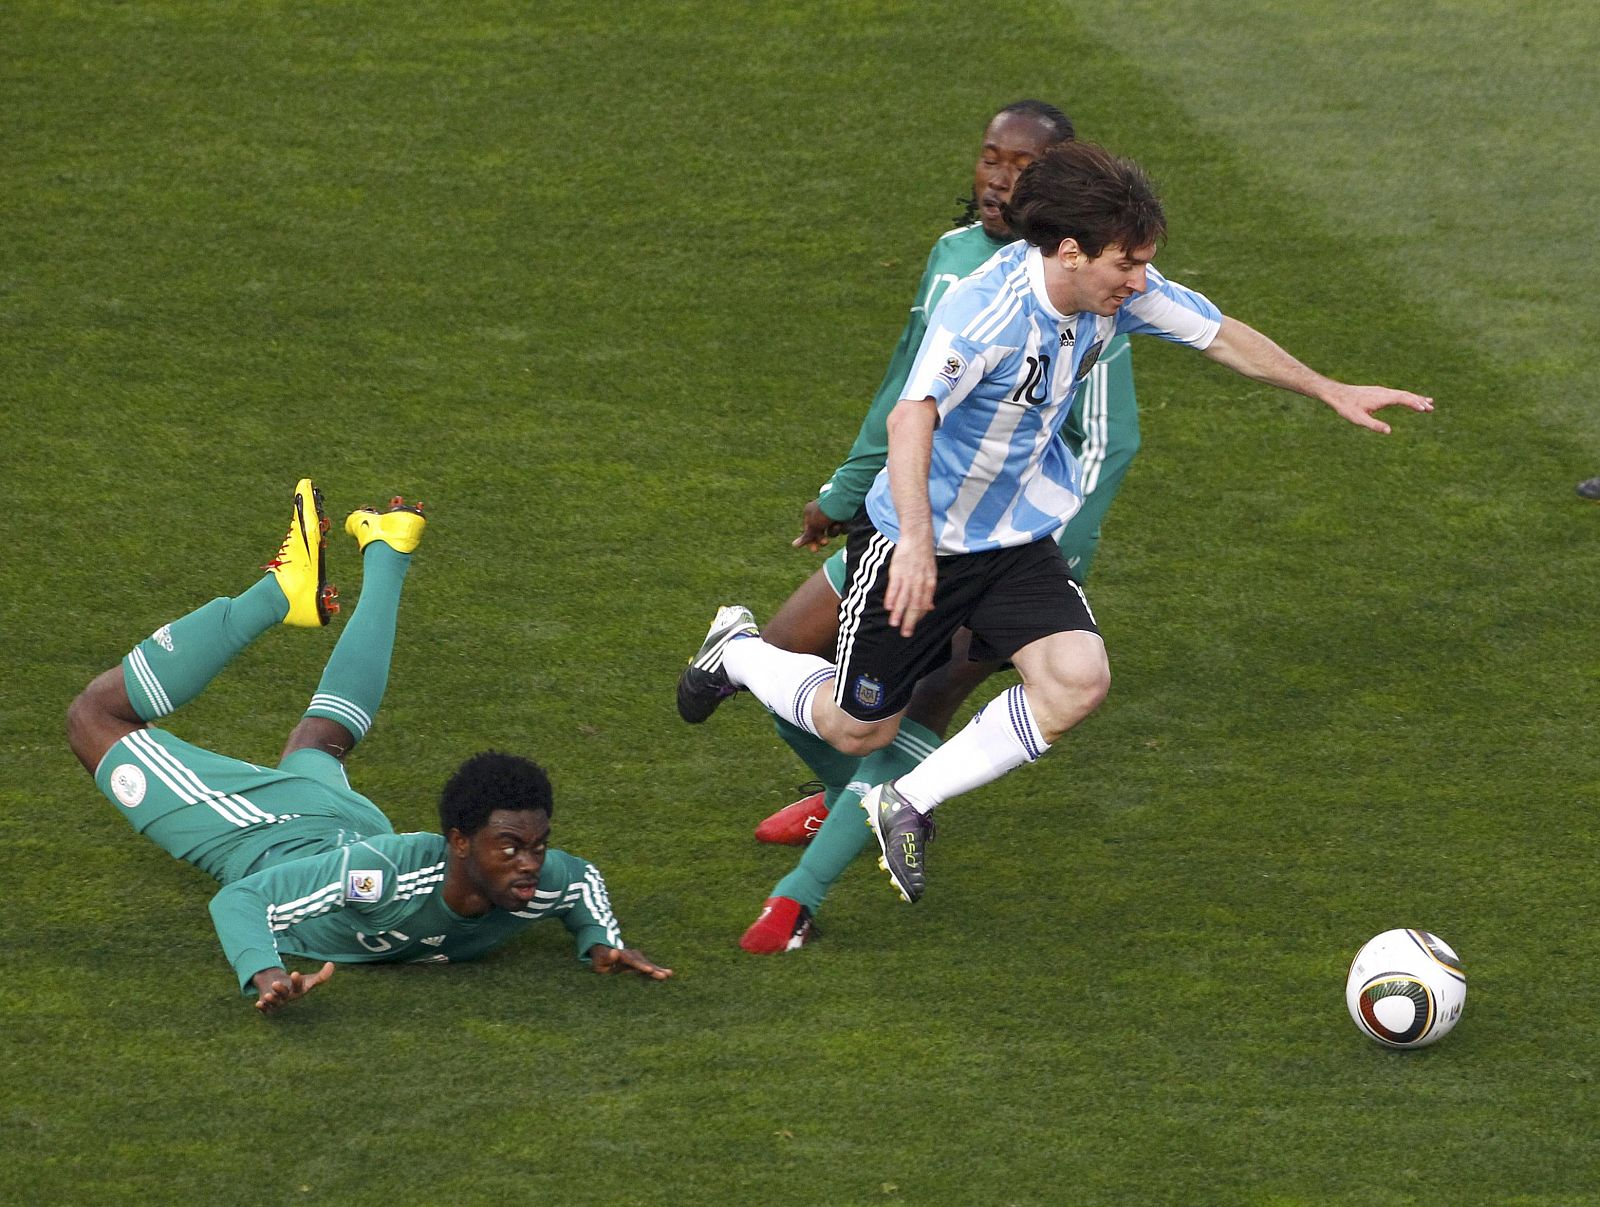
523,892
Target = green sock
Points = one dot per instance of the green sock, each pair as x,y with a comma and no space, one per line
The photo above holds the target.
173,665
826,763
845,831
357,673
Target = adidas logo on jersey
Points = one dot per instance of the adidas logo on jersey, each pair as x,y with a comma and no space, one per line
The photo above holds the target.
434,940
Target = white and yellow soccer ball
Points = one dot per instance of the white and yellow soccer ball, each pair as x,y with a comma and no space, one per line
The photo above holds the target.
1406,988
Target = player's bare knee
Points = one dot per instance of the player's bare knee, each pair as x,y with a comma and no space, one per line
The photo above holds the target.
1063,700
1096,685
860,745
858,738
319,733
99,717
856,745
80,715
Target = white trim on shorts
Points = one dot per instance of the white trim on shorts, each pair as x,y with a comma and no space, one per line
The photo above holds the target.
853,603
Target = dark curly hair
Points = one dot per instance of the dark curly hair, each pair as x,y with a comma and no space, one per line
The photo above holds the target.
1060,131
1081,191
490,781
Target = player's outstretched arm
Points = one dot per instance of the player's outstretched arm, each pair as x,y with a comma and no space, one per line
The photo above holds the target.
605,960
276,987
242,913
1245,350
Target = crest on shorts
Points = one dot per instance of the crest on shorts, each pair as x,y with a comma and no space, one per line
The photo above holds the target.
954,367
867,691
364,886
128,784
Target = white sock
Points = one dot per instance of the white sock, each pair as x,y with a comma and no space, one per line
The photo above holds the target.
1002,736
782,681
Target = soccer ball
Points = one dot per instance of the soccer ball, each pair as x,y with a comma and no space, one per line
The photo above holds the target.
1406,988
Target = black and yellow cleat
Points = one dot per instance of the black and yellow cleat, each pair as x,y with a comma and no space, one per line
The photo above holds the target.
903,835
400,527
300,567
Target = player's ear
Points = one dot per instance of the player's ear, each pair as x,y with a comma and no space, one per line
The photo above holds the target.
1069,253
460,843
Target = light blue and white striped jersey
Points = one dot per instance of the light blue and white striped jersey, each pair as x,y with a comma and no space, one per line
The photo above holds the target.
1003,365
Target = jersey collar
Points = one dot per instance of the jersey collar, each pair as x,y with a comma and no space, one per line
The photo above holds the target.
1034,262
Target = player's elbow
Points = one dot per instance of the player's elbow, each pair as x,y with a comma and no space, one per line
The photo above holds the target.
912,415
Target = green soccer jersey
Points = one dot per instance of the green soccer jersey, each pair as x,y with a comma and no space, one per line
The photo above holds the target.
1102,429
382,900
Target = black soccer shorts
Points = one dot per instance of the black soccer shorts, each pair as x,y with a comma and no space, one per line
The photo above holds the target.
1009,598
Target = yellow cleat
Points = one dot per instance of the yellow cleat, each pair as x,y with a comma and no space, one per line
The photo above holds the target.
300,567
400,527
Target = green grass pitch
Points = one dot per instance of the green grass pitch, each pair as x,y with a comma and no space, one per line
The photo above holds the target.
609,287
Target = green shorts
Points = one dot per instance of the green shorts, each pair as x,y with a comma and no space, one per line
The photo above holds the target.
228,817
835,570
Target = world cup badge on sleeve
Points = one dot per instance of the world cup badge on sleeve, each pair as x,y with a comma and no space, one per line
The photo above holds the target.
364,886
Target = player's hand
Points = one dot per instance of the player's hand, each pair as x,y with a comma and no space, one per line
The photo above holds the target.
1358,403
913,574
276,988
817,528
606,960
